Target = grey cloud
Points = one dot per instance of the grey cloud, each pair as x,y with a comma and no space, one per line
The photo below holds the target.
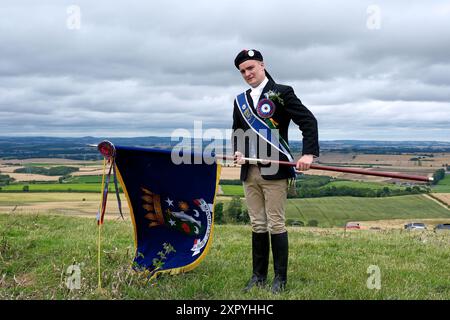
147,68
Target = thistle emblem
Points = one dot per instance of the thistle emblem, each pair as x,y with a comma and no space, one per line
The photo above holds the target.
274,96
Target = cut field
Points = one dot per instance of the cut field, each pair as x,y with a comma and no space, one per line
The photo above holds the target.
48,161
230,173
73,204
442,197
387,160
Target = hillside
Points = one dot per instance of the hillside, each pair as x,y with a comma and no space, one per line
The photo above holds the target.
37,251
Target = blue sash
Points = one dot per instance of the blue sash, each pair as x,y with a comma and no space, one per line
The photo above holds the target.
256,124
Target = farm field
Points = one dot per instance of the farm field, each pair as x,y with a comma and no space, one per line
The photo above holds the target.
56,187
80,194
443,197
443,186
48,162
93,184
395,163
37,251
364,184
336,211
328,212
387,160
238,190
72,204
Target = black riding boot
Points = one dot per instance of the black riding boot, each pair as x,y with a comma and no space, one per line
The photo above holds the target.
260,257
280,249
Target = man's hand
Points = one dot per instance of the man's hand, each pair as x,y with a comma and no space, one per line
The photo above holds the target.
238,158
304,162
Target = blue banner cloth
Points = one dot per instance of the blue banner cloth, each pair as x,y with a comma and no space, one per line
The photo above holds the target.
171,206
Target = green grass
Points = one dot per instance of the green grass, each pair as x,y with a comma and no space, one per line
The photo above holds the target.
237,190
328,211
443,186
230,190
38,164
93,184
58,187
323,264
51,171
73,184
336,211
361,184
84,179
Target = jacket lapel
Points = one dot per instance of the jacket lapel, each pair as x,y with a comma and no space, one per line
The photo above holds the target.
269,86
249,98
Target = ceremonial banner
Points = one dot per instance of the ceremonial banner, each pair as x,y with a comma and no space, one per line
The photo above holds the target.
171,208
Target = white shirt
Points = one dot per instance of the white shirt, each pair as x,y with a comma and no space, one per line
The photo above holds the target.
256,92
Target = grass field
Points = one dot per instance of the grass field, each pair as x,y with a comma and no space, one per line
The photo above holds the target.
443,186
36,251
236,190
84,179
57,187
92,183
231,190
361,184
328,211
336,211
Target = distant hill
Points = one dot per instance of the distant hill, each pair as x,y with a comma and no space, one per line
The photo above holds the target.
78,149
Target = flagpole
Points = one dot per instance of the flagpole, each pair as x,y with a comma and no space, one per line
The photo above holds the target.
319,167
336,169
98,258
99,225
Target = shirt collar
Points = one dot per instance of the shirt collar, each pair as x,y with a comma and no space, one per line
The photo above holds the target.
261,86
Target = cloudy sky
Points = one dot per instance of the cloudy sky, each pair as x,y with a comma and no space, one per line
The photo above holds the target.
366,69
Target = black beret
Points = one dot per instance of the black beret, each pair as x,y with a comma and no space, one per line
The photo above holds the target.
245,55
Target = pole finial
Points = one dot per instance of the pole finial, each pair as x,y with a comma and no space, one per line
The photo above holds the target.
107,149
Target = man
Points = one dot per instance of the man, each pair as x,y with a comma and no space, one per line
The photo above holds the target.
266,110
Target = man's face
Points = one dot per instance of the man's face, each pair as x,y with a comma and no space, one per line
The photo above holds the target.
253,72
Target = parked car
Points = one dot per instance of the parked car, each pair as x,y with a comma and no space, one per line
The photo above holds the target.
415,226
442,226
352,225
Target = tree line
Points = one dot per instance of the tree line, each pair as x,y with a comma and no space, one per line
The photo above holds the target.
52,171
